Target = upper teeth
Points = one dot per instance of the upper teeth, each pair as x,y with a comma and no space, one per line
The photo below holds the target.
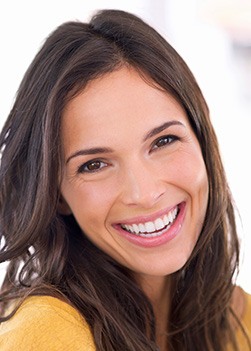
151,227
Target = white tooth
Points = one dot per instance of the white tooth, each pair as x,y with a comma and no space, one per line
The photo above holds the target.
170,217
174,213
135,228
166,220
142,228
159,224
130,228
150,227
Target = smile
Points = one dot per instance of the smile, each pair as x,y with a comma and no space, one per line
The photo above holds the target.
152,229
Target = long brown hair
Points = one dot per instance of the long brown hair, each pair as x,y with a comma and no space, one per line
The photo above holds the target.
48,253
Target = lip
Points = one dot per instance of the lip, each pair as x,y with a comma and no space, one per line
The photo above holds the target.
148,218
166,236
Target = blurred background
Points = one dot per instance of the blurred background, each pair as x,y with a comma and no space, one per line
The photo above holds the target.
214,38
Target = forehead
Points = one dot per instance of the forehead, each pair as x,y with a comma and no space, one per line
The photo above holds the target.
118,102
123,88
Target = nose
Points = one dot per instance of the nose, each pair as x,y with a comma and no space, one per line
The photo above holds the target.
142,186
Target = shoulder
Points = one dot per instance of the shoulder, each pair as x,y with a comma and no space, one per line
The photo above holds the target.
46,323
241,304
246,317
243,311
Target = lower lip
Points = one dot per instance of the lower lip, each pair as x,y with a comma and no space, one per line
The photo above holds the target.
162,239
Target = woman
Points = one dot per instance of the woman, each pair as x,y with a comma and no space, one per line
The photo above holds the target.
116,217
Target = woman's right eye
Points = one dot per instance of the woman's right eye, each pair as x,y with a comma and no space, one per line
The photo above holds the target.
92,166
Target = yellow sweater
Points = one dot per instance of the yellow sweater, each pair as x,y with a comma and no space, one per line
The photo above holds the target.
45,323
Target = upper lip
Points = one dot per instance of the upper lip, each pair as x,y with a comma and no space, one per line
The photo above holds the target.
148,218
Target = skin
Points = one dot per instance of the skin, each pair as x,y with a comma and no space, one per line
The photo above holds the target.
136,177
139,175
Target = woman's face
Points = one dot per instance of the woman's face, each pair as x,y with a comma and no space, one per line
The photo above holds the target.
134,176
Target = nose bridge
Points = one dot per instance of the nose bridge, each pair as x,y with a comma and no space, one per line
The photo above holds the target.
142,184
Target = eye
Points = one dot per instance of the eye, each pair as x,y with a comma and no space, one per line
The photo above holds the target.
92,166
164,141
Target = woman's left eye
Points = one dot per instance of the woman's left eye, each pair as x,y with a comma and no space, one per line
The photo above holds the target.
164,141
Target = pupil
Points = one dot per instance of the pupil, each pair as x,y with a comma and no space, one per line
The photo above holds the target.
94,165
162,142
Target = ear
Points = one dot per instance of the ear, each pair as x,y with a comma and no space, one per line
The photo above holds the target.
63,207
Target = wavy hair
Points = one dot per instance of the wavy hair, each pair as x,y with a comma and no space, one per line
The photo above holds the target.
48,253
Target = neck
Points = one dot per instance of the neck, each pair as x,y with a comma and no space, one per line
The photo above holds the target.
157,289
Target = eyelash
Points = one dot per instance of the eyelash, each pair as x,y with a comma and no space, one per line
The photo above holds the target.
167,139
83,167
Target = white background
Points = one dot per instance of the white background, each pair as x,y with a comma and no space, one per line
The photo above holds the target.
223,74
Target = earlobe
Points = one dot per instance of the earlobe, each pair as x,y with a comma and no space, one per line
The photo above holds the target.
63,207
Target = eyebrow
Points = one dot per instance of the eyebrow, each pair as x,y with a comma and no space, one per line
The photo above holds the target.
91,151
162,127
103,150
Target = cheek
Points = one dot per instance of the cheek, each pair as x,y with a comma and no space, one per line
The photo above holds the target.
189,174
187,169
100,194
196,182
90,203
